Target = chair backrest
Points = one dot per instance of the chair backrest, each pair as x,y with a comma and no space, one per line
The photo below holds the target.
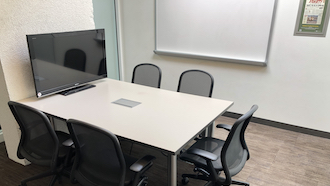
147,74
75,59
196,82
39,143
99,159
235,153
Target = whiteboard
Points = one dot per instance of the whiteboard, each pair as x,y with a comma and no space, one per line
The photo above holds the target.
224,30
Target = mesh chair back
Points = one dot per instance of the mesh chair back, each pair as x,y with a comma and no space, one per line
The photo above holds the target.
75,59
235,152
147,74
196,82
99,159
38,143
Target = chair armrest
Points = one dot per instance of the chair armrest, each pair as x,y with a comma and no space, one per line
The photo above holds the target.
68,143
139,167
224,126
202,153
143,163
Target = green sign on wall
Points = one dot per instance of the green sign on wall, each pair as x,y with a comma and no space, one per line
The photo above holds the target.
313,17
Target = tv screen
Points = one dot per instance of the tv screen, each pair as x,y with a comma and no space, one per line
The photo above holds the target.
61,61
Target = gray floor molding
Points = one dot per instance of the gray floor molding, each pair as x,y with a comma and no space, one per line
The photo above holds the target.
282,125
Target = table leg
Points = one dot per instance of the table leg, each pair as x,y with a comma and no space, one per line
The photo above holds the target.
209,130
171,170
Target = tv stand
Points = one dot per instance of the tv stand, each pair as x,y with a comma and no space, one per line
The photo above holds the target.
77,89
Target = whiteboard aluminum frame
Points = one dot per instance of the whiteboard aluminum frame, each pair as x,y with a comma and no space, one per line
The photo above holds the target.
217,58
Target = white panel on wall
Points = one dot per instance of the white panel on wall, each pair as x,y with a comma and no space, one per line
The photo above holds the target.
233,31
105,17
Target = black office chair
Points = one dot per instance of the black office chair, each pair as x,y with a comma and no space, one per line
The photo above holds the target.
99,159
147,74
196,82
39,143
75,59
212,156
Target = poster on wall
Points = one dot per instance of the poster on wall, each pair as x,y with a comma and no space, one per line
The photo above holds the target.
313,18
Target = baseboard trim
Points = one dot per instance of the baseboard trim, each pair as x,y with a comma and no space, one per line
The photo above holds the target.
282,125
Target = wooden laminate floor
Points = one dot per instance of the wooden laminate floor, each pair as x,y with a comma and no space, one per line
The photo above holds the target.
278,157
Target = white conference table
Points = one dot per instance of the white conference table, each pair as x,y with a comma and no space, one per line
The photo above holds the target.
165,120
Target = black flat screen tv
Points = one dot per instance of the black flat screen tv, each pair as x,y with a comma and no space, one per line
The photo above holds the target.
66,60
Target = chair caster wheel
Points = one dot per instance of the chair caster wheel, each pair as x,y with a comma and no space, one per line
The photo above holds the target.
185,180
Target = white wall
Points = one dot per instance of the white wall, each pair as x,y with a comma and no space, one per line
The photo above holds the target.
19,18
294,88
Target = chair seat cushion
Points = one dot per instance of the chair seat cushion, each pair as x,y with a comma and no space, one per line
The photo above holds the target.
38,150
209,144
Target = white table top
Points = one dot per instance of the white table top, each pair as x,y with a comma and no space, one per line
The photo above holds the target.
165,119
